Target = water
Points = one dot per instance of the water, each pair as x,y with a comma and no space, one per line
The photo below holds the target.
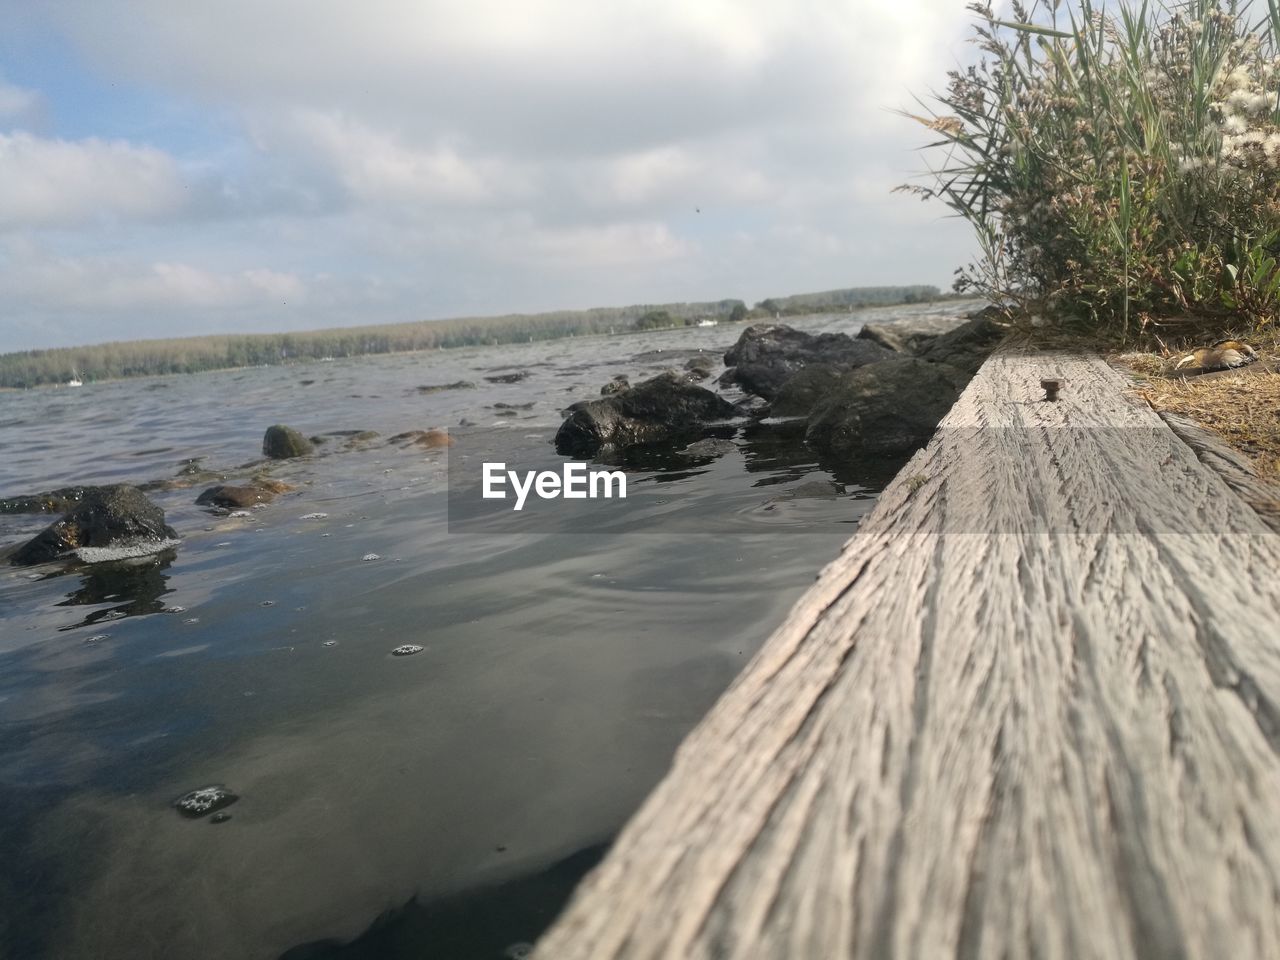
438,804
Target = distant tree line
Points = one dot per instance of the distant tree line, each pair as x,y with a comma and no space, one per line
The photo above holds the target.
847,298
109,361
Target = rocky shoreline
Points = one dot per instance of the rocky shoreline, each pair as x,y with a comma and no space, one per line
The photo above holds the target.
880,393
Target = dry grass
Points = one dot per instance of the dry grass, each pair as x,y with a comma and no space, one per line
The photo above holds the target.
1242,407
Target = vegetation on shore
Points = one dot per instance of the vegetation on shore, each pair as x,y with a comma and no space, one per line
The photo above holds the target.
1120,166
194,354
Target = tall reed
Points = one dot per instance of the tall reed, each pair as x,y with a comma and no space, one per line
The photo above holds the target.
1120,165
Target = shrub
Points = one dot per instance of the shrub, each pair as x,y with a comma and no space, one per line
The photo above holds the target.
1119,168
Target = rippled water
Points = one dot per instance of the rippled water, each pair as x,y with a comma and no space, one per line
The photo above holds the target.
440,804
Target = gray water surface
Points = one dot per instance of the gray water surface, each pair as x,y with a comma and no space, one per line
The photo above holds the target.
465,788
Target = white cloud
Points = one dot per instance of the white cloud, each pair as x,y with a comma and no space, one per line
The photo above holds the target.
442,157
59,182
33,279
17,104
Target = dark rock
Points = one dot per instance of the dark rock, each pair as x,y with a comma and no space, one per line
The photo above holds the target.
710,447
282,443
968,345
909,335
767,355
113,516
242,497
206,800
891,407
52,501
699,368
616,385
513,406
805,390
515,377
438,387
656,410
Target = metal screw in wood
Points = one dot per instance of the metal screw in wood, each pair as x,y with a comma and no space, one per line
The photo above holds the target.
1051,386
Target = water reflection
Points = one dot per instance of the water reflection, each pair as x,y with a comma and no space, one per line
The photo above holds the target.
487,924
133,587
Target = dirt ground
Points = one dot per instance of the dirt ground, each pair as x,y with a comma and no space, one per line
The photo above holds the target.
1242,406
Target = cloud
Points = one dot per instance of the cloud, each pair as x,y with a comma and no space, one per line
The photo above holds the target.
60,182
436,158
17,104
33,279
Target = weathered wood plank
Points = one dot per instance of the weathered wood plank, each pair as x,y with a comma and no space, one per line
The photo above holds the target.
1033,709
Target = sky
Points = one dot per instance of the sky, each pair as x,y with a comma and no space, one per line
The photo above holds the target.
169,168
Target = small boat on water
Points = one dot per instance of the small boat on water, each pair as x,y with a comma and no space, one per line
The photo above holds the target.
75,380
707,323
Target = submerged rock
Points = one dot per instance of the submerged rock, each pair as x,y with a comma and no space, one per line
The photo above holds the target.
710,447
118,517
284,443
514,377
51,501
234,497
439,387
205,800
427,439
891,407
767,355
654,411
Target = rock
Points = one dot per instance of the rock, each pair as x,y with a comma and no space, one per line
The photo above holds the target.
205,800
427,439
767,355
710,447
656,410
513,406
968,345
360,439
283,443
117,516
514,377
805,390
909,335
891,407
438,387
52,501
616,385
226,495
699,368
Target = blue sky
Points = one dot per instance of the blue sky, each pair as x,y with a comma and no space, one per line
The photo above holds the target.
168,169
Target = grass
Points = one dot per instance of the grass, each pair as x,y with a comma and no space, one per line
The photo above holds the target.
1242,407
1119,163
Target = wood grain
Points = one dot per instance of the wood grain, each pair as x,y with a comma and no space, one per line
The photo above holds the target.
1032,710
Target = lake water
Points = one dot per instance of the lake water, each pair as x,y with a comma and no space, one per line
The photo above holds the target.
436,805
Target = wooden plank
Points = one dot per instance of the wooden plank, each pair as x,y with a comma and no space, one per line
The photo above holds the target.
1032,710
